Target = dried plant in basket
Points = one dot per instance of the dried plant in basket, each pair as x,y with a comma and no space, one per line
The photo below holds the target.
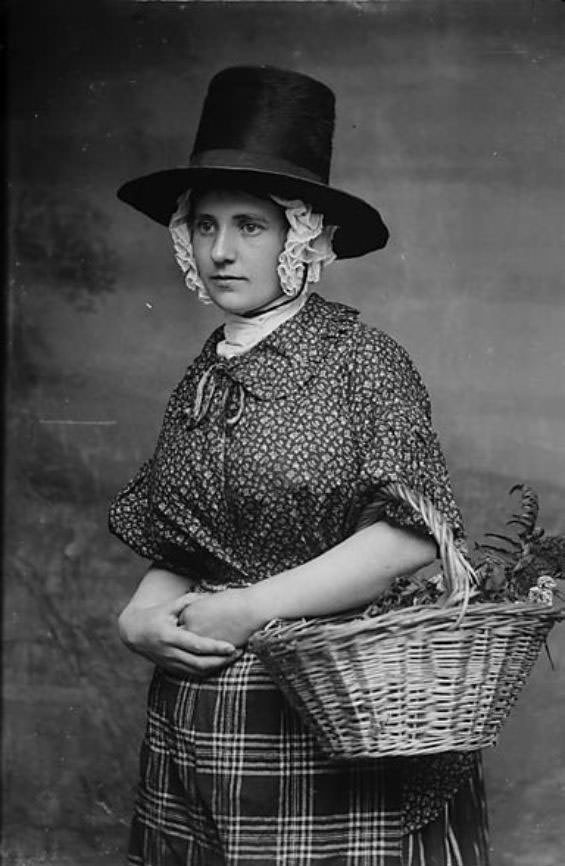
520,567
523,567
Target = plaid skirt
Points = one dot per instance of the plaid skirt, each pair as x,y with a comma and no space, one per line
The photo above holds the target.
231,777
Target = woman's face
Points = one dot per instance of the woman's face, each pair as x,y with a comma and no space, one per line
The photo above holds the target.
237,239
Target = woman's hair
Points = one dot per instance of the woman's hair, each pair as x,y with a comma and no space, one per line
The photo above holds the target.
307,248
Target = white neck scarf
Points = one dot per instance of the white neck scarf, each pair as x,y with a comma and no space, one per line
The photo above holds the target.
242,333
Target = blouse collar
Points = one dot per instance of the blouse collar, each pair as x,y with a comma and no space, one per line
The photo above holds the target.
241,333
288,357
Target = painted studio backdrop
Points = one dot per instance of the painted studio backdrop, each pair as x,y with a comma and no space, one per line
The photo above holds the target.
451,120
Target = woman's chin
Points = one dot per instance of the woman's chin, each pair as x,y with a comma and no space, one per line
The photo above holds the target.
230,304
238,303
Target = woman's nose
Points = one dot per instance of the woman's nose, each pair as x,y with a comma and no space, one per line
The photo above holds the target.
223,248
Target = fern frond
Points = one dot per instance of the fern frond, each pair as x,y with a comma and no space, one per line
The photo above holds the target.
529,508
493,547
511,541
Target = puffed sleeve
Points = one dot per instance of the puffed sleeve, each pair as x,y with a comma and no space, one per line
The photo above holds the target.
128,517
131,517
396,440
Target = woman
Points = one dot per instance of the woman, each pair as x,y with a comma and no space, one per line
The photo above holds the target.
284,428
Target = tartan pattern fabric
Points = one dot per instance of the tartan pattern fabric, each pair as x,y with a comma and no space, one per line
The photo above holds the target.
230,777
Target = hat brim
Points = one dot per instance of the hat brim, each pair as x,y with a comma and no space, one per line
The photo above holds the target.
360,227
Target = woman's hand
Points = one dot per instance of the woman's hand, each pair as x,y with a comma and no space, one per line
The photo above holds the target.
154,633
227,615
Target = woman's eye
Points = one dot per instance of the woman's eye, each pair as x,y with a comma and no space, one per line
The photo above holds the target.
250,228
205,227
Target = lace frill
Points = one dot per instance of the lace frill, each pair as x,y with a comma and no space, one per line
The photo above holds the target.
182,244
308,242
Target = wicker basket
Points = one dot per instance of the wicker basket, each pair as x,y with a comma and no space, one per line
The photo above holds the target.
413,681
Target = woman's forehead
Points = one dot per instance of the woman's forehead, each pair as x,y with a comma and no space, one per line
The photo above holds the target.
234,201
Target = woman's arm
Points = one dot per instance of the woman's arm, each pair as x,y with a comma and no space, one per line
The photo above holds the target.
159,585
148,625
351,574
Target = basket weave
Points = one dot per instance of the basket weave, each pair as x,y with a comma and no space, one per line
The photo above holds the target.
413,681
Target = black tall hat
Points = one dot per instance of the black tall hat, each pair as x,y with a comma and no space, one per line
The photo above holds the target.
265,130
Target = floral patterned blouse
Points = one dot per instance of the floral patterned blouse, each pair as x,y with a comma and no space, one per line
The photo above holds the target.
267,459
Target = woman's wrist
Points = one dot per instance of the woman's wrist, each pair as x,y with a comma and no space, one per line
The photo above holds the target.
262,603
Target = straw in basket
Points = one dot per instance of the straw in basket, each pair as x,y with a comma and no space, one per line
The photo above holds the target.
413,681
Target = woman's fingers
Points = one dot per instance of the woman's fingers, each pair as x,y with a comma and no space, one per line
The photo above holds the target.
198,644
195,654
203,665
153,632
182,662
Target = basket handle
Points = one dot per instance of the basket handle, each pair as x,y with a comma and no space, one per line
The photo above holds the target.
459,576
